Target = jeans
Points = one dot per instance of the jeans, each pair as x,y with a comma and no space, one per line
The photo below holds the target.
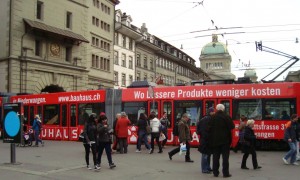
106,146
205,163
142,136
37,138
292,152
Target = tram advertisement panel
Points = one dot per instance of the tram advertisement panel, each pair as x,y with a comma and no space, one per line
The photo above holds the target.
224,91
12,123
81,96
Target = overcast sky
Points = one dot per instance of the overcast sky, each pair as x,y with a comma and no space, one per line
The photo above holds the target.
242,22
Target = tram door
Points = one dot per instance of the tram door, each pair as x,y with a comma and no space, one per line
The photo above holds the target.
72,122
64,122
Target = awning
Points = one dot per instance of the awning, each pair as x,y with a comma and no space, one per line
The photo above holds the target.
53,30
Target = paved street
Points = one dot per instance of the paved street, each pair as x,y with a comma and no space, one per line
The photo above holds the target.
65,160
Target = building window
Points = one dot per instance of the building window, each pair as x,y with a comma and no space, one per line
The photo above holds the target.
123,79
69,20
138,76
124,41
68,54
130,44
151,64
130,66
39,10
38,48
130,79
93,60
123,60
116,39
116,57
138,60
145,77
116,79
145,62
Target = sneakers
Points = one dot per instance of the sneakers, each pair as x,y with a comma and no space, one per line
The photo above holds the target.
170,156
137,151
296,164
112,165
97,167
285,161
150,151
88,167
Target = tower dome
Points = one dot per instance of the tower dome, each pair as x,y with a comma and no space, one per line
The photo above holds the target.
214,47
251,73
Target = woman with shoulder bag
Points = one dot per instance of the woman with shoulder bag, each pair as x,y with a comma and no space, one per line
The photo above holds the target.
249,145
90,139
142,132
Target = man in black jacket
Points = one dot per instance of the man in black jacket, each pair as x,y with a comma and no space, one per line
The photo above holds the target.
202,130
220,139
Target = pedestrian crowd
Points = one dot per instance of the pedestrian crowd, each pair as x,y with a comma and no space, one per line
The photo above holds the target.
214,129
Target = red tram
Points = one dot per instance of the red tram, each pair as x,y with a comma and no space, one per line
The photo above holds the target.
63,113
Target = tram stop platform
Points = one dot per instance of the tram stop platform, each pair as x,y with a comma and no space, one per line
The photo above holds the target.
65,160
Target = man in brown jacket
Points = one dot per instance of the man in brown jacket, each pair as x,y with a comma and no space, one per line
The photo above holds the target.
184,137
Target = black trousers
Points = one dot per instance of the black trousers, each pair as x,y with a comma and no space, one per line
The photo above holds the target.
176,150
249,150
217,152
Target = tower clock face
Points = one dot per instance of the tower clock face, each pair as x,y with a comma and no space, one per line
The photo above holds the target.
55,49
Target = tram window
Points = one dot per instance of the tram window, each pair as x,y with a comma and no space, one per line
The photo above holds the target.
25,122
193,108
133,109
51,114
209,104
167,107
226,103
154,108
279,109
250,108
73,115
64,115
31,109
85,110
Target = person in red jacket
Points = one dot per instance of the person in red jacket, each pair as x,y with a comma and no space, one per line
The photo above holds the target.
122,132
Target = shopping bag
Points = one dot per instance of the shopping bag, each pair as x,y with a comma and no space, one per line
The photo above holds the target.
182,149
162,137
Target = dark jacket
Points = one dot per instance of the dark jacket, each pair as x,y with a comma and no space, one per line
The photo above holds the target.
202,130
291,132
184,131
249,136
220,128
104,133
142,125
90,132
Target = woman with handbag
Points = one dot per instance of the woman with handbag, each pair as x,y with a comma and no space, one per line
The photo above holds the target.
249,145
142,132
155,132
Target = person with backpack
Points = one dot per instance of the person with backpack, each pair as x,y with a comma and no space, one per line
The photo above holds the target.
242,125
249,145
202,131
184,135
37,127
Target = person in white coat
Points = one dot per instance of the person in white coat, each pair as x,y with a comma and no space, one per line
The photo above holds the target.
155,132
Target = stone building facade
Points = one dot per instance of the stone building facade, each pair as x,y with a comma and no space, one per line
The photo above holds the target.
60,43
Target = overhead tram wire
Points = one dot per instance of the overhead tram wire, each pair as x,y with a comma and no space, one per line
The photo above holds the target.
180,14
